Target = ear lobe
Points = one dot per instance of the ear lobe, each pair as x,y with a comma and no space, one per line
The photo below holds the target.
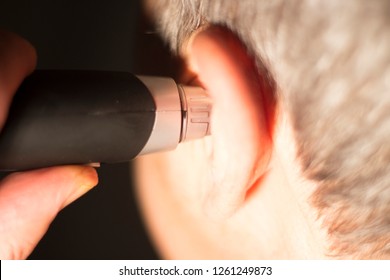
241,141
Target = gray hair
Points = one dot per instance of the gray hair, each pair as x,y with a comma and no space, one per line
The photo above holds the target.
330,61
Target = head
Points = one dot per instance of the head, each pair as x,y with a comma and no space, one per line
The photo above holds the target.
298,163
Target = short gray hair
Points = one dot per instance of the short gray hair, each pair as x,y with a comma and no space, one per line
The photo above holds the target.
330,61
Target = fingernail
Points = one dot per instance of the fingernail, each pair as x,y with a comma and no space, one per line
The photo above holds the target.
85,179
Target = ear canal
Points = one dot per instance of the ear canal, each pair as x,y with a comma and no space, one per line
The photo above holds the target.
241,142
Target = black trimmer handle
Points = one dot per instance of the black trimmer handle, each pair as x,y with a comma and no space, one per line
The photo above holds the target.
62,117
76,117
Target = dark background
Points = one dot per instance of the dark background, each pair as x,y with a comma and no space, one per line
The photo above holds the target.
97,35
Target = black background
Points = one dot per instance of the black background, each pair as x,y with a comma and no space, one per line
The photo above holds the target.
97,35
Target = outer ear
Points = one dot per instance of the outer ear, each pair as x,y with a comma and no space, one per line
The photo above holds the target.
241,119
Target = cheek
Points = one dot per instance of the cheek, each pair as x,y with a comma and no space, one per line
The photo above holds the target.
171,187
188,176
182,176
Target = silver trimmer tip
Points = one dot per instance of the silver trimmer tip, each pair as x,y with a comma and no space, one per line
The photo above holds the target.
182,113
196,110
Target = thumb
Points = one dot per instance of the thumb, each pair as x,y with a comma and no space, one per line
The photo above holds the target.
17,60
29,202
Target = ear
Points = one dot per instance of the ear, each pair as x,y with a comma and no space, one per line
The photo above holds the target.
241,118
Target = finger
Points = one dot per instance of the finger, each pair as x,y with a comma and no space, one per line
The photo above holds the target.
17,60
29,201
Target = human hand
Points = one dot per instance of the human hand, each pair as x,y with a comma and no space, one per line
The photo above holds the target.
29,201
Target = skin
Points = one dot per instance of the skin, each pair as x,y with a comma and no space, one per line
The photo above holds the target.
237,194
29,201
